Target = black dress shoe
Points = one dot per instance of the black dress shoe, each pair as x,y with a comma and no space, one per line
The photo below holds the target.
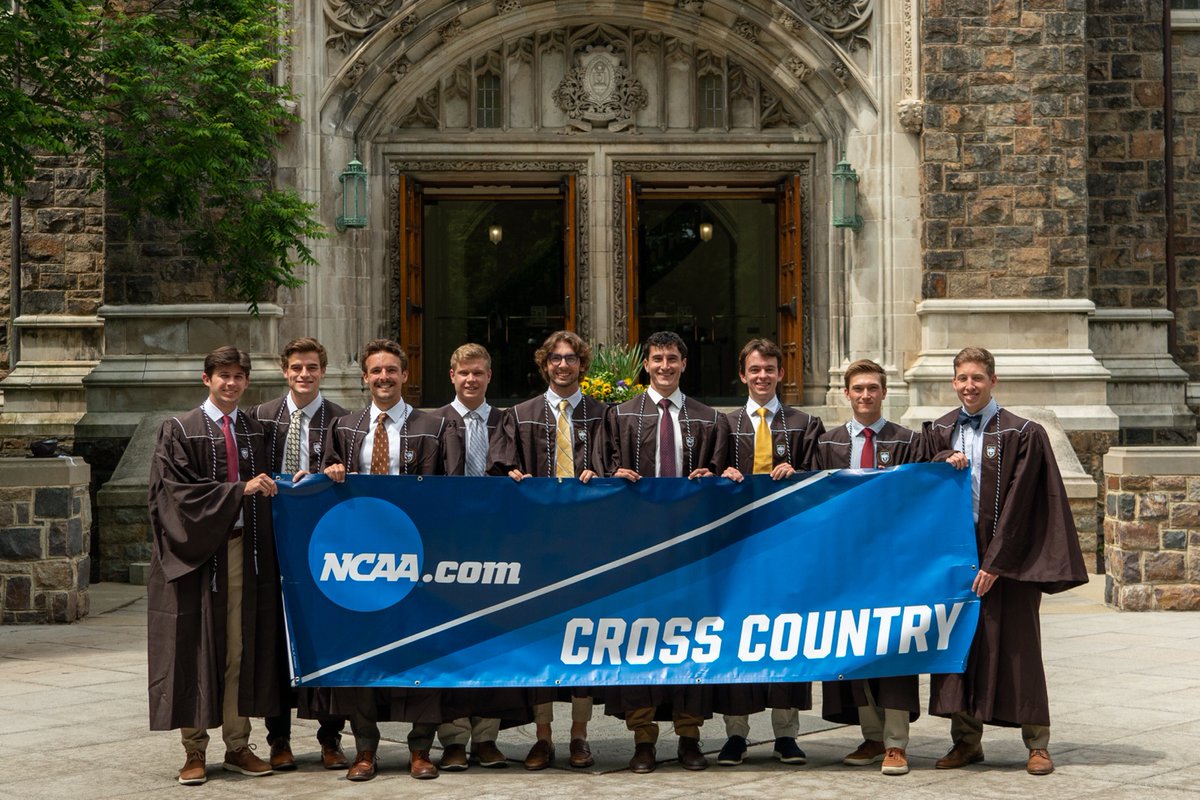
643,760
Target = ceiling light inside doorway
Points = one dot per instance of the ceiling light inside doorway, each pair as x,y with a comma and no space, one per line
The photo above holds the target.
495,233
706,231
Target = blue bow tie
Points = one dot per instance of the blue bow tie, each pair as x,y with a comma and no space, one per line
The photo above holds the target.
974,420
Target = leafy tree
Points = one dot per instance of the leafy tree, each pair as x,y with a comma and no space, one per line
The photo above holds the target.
172,101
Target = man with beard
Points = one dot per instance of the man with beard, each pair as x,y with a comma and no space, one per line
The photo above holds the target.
556,434
294,427
1027,545
662,433
388,437
764,437
213,591
883,707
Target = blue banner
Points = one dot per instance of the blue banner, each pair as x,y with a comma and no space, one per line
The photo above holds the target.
455,581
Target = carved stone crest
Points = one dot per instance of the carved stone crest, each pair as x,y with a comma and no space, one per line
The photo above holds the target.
694,6
912,114
600,90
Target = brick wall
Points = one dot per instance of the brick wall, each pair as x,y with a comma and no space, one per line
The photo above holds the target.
1126,212
1004,149
148,263
1185,79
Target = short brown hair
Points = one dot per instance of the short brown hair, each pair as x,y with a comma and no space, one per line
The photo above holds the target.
665,340
227,356
865,366
581,348
764,347
976,355
470,352
305,344
383,346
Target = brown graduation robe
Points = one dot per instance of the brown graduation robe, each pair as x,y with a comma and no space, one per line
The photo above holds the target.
192,512
275,421
631,442
526,437
840,700
422,452
457,430
1025,535
794,435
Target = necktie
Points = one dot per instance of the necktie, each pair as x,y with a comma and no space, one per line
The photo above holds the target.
291,446
564,461
477,444
380,455
763,461
973,420
666,442
867,461
231,455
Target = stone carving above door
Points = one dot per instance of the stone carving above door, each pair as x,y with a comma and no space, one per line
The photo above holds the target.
600,90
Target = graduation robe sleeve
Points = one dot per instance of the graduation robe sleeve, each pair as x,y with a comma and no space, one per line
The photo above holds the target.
191,514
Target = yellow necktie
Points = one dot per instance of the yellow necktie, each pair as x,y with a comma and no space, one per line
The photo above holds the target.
564,462
763,463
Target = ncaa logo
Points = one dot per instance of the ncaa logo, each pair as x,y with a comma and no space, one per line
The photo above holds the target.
365,554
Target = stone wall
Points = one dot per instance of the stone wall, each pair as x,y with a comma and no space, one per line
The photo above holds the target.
1185,78
1004,149
1126,211
1152,528
148,263
45,515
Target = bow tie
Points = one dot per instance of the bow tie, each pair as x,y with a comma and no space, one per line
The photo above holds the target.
973,420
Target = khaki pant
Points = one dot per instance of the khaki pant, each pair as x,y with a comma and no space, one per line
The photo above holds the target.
235,729
887,725
466,730
581,711
785,723
968,730
645,729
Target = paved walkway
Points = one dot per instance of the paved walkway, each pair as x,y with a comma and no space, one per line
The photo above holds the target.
1124,689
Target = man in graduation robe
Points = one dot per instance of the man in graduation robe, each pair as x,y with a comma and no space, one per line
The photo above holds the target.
214,616
662,433
1027,545
473,423
557,434
882,707
764,437
388,437
294,427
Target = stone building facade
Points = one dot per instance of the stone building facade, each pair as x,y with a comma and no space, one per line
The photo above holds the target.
621,165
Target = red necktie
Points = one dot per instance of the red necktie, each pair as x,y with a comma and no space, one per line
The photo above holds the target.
867,461
231,456
666,442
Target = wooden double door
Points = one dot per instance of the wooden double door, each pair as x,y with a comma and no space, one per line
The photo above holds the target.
718,265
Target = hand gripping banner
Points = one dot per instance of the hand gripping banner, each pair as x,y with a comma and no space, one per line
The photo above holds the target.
457,582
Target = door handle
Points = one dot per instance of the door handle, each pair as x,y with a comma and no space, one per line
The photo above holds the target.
413,308
788,307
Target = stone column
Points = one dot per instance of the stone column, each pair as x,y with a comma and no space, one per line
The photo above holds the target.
45,515
1152,528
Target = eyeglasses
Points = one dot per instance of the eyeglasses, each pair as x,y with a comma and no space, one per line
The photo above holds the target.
569,359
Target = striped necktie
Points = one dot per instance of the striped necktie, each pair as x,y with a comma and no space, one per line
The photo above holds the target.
477,444
564,460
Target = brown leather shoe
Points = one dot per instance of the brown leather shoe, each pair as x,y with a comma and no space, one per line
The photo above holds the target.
332,756
869,752
364,766
193,772
690,756
895,762
488,755
282,759
245,762
541,755
1039,762
420,767
643,760
959,756
454,758
581,754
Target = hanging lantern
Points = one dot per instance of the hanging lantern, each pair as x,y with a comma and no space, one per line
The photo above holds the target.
495,234
845,196
354,196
